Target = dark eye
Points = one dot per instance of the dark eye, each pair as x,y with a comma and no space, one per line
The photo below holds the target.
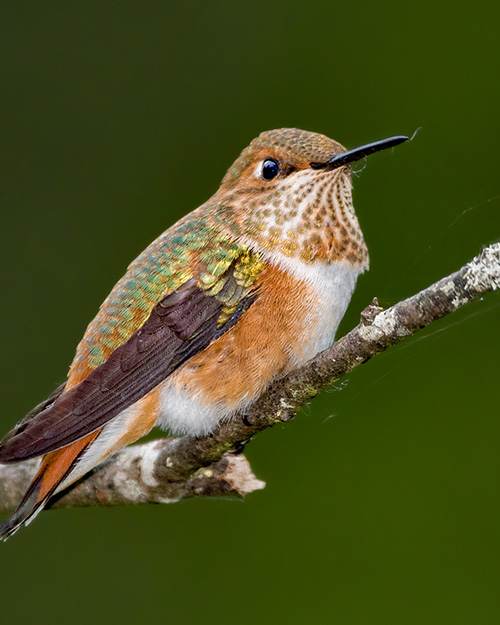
270,169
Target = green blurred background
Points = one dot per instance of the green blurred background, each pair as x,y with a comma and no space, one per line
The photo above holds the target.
382,500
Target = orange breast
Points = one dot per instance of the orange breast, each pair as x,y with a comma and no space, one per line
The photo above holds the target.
270,339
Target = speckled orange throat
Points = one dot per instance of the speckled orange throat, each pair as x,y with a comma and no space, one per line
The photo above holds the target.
309,216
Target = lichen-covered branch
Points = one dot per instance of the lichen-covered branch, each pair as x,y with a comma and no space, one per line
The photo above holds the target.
136,475
171,469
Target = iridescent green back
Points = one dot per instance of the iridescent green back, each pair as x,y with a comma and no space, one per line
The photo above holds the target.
191,247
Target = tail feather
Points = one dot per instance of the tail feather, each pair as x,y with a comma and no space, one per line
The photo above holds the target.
56,467
29,507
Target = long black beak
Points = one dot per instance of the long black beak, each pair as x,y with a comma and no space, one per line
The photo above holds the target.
354,155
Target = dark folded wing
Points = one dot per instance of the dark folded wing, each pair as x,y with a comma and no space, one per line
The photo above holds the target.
20,427
181,325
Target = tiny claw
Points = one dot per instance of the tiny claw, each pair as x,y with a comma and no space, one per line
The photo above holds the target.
246,421
239,447
370,312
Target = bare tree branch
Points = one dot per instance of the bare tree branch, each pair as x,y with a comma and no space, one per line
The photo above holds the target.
136,475
171,469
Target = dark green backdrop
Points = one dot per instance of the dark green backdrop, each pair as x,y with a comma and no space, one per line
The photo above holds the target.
382,499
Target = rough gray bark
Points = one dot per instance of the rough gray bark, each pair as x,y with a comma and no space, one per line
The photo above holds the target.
171,469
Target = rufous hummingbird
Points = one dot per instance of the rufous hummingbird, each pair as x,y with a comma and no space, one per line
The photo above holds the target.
245,288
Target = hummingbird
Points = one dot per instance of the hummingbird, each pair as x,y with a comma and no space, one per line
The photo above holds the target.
242,290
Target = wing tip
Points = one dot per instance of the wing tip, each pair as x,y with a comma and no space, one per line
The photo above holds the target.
5,456
10,452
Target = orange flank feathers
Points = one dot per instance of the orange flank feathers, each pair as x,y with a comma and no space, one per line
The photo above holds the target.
268,340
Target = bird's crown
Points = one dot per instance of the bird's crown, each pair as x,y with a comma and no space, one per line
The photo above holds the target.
292,148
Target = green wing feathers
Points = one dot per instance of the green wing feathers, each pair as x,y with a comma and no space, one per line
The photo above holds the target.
230,287
190,249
